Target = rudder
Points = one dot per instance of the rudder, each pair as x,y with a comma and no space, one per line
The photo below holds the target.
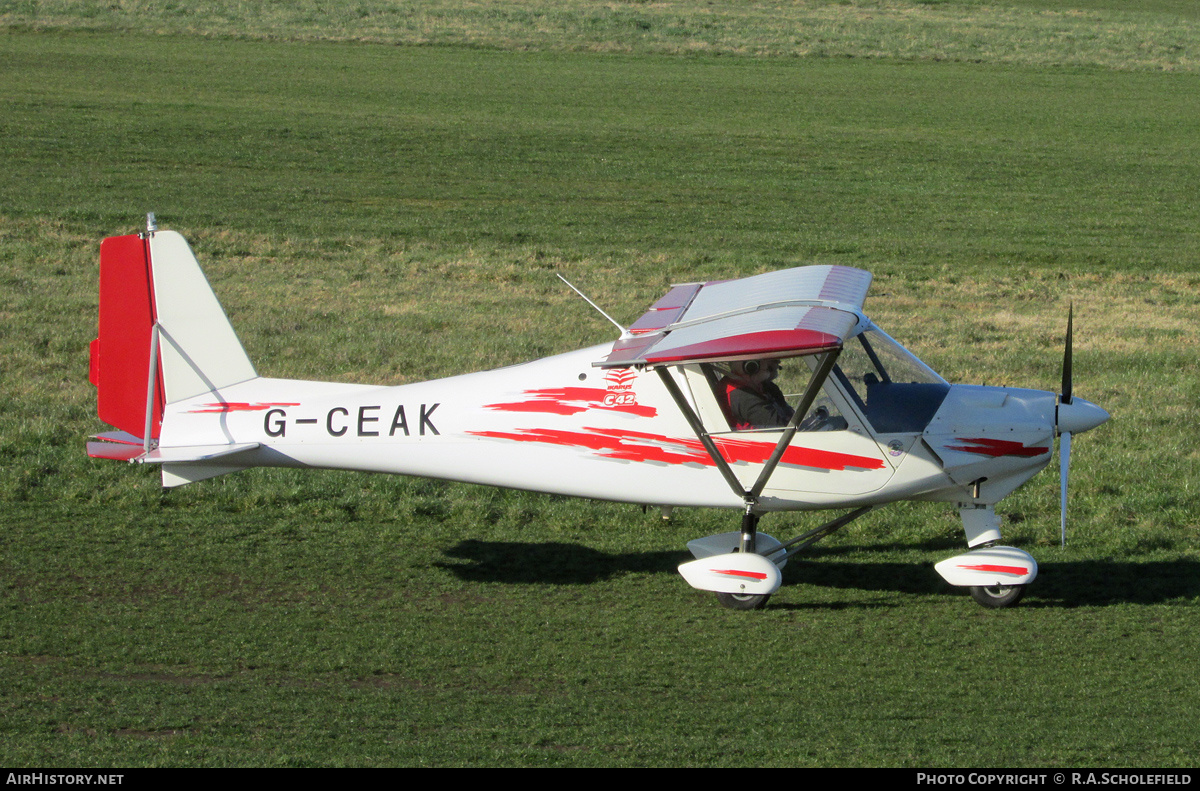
154,295
120,355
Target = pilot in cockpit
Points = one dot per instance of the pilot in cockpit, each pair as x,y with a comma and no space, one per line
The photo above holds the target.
753,398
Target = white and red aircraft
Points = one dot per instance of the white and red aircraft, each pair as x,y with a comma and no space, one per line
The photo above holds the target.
642,420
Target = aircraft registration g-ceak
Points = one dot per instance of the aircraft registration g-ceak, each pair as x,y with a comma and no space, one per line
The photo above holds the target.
649,419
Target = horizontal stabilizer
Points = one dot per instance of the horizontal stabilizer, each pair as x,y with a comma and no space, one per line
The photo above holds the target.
115,446
117,451
195,453
121,438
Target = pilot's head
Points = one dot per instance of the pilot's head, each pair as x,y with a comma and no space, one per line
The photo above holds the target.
757,371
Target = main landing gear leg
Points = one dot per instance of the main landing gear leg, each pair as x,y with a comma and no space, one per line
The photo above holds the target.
749,531
745,601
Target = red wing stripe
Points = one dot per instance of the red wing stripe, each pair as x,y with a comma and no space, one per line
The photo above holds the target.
762,344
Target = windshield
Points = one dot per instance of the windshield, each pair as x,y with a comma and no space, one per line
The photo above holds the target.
896,392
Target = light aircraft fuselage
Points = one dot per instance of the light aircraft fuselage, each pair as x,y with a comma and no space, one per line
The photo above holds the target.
645,419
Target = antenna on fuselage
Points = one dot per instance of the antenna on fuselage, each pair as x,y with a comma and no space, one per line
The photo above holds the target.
624,332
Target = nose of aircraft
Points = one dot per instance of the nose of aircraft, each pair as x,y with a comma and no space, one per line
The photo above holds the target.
1079,415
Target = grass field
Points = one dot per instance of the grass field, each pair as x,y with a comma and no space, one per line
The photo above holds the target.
384,195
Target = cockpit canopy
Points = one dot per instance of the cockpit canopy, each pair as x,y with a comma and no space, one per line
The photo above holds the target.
894,391
874,377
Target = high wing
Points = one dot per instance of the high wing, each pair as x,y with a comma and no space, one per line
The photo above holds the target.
792,312
809,310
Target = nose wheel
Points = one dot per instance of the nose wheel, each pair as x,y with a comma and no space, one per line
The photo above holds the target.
997,596
743,601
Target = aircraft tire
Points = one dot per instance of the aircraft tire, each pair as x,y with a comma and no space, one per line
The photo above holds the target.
997,596
743,601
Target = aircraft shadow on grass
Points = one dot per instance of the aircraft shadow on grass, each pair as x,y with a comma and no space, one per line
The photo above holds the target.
521,563
1066,584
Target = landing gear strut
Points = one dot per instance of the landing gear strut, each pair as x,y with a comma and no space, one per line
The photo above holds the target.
771,550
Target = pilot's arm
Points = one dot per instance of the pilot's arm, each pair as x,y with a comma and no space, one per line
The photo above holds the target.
758,411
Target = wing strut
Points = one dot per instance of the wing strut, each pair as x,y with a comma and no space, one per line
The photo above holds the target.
702,434
815,382
750,496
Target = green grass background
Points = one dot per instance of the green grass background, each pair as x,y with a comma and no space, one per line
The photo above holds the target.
383,191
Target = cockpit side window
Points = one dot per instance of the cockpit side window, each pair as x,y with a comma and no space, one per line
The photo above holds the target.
791,379
896,392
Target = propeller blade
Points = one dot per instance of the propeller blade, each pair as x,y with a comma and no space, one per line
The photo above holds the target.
1064,441
1064,466
1066,367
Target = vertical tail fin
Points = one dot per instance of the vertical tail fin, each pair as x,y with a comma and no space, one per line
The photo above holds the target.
200,352
153,296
